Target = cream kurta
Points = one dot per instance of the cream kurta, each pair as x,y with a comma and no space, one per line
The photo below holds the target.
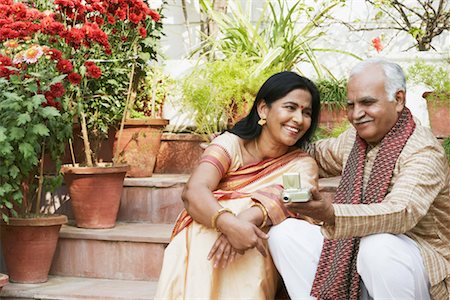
417,203
186,272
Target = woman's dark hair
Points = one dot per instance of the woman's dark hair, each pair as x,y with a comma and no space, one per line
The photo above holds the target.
275,88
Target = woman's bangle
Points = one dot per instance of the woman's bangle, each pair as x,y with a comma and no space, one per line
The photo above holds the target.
216,216
265,214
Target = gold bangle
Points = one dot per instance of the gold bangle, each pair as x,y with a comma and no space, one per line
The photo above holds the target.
265,214
216,216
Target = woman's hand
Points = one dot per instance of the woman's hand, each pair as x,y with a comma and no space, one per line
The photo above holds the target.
242,234
222,253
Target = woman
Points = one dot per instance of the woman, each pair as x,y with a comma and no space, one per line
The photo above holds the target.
234,193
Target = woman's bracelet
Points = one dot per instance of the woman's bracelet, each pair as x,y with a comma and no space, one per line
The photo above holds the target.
216,216
265,214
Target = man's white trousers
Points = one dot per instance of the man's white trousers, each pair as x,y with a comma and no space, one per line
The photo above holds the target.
390,266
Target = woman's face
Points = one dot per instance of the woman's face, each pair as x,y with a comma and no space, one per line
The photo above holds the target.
288,118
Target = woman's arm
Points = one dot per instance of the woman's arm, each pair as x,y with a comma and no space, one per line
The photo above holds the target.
201,204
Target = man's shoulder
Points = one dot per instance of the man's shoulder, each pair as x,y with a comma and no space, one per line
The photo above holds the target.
423,137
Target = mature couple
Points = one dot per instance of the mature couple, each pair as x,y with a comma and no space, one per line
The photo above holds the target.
386,234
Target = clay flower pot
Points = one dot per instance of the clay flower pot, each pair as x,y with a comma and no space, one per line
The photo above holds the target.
95,193
139,145
28,246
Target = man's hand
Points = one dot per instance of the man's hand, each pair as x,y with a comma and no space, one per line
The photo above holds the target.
316,208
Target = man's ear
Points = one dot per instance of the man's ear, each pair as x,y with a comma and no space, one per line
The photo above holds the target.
400,97
262,109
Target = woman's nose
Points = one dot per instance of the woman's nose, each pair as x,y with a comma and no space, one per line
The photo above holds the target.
298,116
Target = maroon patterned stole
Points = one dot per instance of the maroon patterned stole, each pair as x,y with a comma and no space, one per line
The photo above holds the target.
336,276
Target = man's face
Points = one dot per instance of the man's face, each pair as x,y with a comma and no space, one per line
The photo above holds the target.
368,107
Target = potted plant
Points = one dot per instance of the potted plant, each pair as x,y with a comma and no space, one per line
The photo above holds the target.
437,77
105,42
35,122
143,122
221,91
333,101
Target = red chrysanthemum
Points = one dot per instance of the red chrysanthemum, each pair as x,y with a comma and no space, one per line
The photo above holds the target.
55,54
57,89
64,66
74,78
143,32
93,71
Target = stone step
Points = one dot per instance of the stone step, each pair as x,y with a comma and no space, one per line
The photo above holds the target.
77,288
130,251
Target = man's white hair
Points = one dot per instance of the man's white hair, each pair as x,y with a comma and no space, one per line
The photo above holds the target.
394,78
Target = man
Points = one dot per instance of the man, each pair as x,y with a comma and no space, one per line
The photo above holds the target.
387,233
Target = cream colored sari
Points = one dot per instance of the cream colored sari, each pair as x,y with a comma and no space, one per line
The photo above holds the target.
186,272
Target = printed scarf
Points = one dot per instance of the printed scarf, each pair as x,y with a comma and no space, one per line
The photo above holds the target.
336,277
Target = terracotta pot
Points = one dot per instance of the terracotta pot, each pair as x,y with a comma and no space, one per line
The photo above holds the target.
179,153
139,145
95,193
4,279
29,245
439,113
332,115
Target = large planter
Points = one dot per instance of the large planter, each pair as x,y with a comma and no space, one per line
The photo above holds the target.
28,246
139,145
95,193
179,153
332,115
439,113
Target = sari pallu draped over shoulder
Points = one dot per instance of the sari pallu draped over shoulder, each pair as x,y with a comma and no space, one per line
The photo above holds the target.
234,183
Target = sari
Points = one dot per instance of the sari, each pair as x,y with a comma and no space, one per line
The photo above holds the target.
186,272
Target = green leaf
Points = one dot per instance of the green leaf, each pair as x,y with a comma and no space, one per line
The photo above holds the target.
49,112
58,79
14,171
144,56
23,119
2,134
16,133
27,150
5,218
41,129
38,99
8,204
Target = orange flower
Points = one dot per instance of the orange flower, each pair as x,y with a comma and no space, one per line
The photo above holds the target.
32,54
376,42
11,44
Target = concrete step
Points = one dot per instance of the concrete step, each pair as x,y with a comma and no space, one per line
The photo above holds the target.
130,251
77,288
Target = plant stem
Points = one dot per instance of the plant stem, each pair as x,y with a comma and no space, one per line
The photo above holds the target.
122,122
40,181
72,155
87,147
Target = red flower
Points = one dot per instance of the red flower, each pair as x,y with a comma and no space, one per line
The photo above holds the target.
74,78
5,61
57,89
64,66
111,20
89,64
94,71
55,54
143,32
376,42
155,16
135,18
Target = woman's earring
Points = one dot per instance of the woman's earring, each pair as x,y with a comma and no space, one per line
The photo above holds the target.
262,121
